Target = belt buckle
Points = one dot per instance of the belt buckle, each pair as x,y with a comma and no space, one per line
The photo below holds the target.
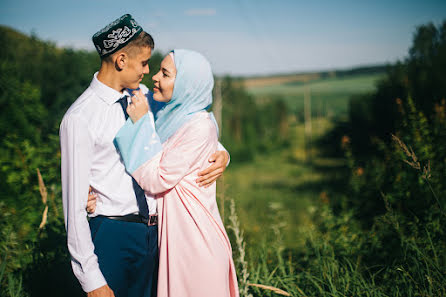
153,220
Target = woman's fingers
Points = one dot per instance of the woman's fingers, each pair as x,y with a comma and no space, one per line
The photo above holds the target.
206,180
91,209
130,109
135,99
138,94
209,181
92,196
91,206
91,202
139,106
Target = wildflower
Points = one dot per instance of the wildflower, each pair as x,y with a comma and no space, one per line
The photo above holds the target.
345,141
324,197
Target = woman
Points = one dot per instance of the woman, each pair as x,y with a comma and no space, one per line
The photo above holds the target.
195,256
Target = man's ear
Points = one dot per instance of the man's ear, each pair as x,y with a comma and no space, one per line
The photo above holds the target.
121,60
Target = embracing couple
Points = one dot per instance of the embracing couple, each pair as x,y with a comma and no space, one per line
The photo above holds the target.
154,227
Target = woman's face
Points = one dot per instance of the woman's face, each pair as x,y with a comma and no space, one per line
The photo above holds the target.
164,80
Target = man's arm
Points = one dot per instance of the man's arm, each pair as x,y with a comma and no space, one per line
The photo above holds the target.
76,153
220,160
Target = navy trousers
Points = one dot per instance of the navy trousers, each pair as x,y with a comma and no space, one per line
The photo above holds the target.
128,256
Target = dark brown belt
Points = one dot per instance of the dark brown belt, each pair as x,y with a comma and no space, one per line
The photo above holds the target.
134,218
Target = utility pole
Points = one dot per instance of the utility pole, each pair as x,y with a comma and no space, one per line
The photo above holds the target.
217,110
218,104
308,128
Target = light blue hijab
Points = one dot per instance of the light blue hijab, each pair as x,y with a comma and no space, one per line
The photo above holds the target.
192,93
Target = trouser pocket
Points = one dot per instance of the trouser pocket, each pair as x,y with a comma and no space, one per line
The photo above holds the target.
95,225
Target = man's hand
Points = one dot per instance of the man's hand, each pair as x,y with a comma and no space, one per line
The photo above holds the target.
103,291
139,106
209,175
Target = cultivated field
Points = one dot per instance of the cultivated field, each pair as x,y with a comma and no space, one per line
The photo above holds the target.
329,96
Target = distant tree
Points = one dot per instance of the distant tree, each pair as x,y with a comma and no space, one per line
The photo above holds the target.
422,76
426,66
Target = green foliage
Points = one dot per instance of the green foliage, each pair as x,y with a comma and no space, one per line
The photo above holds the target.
59,75
395,191
249,128
38,83
383,235
421,77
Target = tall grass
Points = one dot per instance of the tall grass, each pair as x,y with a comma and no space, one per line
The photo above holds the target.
401,254
319,270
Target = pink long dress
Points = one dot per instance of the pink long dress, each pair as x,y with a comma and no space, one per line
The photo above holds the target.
195,255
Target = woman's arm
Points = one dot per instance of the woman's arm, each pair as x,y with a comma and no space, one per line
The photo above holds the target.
137,142
159,171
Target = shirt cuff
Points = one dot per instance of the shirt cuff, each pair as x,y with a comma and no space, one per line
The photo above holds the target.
92,280
138,142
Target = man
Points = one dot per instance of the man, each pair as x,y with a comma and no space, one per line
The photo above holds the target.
115,253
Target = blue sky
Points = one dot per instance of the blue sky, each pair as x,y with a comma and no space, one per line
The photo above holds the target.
243,37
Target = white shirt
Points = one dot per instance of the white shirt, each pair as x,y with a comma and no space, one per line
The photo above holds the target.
89,157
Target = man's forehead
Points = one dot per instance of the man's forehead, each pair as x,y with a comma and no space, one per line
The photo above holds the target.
145,53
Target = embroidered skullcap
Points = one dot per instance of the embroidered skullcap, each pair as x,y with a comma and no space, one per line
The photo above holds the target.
116,35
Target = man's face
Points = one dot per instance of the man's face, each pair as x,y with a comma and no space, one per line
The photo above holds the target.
137,66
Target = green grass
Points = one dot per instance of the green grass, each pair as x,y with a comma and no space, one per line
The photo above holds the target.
297,244
267,188
280,187
329,96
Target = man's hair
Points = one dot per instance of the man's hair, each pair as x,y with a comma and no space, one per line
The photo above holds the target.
144,39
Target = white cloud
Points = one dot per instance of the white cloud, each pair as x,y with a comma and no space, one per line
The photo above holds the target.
201,12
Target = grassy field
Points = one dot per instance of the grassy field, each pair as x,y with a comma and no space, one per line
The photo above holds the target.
280,188
330,251
255,82
283,187
329,96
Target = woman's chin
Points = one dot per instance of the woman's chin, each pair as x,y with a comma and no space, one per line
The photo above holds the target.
158,98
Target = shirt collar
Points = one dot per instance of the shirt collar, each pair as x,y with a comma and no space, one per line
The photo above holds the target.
109,95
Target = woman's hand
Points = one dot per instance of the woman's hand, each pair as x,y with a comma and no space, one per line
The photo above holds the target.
209,175
91,202
138,107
